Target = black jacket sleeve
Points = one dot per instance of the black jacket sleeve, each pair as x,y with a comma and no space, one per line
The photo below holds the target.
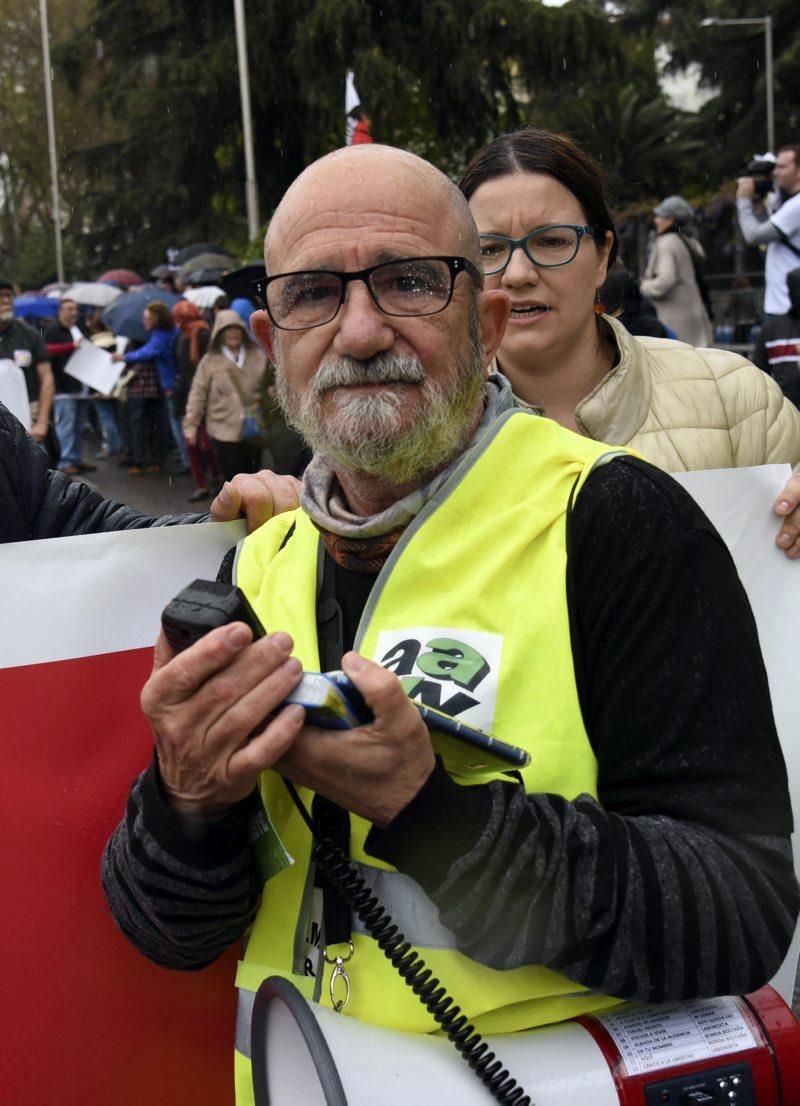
39,502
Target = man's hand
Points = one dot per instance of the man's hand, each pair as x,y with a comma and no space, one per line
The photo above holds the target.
788,507
374,770
745,188
38,431
205,703
190,437
257,496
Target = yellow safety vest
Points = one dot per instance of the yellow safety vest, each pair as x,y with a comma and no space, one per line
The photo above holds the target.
478,576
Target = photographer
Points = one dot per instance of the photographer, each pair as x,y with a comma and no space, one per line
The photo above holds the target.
778,229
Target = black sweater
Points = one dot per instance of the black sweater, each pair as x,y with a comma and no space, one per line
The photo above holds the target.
678,883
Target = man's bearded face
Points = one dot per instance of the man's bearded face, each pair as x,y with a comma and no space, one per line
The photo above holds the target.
383,416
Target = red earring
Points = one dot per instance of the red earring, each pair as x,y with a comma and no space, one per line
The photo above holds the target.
599,308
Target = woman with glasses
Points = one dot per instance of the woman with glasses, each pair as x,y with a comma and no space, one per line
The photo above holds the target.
548,239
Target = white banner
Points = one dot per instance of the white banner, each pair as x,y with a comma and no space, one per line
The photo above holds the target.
740,504
100,593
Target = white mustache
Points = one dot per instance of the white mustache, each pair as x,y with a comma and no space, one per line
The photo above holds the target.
383,368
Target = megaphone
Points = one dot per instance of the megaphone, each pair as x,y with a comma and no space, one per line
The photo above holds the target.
738,1051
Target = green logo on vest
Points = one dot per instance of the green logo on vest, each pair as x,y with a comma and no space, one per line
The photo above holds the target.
446,664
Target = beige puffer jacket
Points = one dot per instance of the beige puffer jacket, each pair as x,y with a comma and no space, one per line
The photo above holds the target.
213,395
684,408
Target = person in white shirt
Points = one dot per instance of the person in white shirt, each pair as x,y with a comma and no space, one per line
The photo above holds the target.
778,229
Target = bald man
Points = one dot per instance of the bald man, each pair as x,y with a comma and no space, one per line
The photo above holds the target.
644,853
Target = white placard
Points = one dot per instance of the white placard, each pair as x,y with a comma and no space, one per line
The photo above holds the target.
14,391
651,1038
93,366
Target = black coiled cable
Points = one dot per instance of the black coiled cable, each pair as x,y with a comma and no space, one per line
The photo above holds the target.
347,880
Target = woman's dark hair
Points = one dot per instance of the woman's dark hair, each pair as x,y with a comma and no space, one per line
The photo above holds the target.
160,314
536,150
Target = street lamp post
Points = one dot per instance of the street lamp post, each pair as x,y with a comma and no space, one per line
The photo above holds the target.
250,187
766,23
51,136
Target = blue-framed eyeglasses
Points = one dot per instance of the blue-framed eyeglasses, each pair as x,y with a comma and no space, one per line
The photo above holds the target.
406,287
547,247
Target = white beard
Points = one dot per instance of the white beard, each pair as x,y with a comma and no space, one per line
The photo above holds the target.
386,434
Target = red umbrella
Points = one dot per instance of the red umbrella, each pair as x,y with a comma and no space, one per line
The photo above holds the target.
124,278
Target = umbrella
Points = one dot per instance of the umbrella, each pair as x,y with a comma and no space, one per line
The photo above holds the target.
197,247
240,282
206,296
92,294
161,271
124,316
203,277
55,289
205,261
36,306
124,278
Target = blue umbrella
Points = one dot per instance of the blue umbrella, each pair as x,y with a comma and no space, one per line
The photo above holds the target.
124,315
35,307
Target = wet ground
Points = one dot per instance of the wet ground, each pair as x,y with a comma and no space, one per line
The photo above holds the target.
163,494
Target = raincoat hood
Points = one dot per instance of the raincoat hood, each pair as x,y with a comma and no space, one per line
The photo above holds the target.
225,318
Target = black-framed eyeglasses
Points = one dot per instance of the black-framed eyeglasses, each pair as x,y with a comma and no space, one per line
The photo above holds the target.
547,247
406,287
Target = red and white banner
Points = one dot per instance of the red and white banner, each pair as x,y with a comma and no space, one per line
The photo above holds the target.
84,1019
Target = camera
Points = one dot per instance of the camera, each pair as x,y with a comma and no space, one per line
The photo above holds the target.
760,169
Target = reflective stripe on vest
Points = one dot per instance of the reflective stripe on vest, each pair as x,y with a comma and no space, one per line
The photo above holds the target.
408,906
244,1016
446,615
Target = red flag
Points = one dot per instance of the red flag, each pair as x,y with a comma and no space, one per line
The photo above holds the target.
357,128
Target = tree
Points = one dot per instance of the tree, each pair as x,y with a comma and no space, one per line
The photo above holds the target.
26,226
437,76
731,60
150,126
24,169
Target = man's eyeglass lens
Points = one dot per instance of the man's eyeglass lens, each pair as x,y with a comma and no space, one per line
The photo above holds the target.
418,286
547,247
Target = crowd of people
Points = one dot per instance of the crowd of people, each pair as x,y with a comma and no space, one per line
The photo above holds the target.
486,520
222,423
193,398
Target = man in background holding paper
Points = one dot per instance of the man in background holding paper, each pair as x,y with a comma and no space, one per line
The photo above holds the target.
63,337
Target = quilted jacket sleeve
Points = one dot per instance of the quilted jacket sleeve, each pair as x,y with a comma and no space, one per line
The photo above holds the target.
764,424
